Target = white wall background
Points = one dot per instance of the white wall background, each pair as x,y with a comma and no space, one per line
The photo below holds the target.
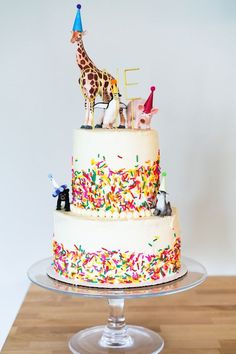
186,48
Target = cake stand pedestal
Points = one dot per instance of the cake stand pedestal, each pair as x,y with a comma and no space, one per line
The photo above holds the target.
116,336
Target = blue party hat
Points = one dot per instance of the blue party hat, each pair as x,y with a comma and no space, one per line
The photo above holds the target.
78,27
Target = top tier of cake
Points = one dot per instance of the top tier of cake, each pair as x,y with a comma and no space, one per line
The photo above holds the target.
115,173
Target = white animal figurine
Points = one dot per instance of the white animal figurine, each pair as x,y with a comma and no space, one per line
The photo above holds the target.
112,109
163,208
141,112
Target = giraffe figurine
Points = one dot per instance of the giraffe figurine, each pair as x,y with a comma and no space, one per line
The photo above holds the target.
93,81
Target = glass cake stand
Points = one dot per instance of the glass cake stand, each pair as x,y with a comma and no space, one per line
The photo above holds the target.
116,336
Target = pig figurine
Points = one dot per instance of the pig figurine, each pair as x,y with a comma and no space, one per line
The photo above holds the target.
141,112
142,120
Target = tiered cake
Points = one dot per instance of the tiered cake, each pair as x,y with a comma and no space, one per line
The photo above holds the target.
118,230
110,236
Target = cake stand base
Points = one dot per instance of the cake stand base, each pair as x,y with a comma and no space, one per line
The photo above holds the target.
139,340
116,336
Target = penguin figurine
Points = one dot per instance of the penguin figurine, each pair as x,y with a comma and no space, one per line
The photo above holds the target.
111,109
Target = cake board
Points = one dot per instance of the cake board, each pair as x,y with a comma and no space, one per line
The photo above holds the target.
180,273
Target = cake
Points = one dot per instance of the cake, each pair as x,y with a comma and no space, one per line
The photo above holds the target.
118,230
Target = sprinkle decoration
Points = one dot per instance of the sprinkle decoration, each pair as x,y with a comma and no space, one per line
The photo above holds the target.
115,267
123,190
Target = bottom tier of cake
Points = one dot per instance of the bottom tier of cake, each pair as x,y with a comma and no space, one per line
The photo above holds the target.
115,252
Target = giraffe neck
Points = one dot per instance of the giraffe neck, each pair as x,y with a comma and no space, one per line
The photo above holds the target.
83,60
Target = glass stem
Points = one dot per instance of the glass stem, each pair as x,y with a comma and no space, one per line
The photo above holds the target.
115,332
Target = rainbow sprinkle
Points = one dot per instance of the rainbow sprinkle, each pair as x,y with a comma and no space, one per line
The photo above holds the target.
101,189
115,267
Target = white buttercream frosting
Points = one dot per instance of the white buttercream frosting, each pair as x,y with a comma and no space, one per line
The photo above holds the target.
126,234
119,146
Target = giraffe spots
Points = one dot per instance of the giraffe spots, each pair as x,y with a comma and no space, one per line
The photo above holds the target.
106,84
95,77
84,81
92,82
100,74
90,76
91,90
82,62
105,77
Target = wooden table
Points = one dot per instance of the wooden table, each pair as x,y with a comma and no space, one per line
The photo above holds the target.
201,320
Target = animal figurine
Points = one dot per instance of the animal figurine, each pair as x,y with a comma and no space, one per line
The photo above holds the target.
163,208
111,108
93,81
62,192
141,112
64,197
